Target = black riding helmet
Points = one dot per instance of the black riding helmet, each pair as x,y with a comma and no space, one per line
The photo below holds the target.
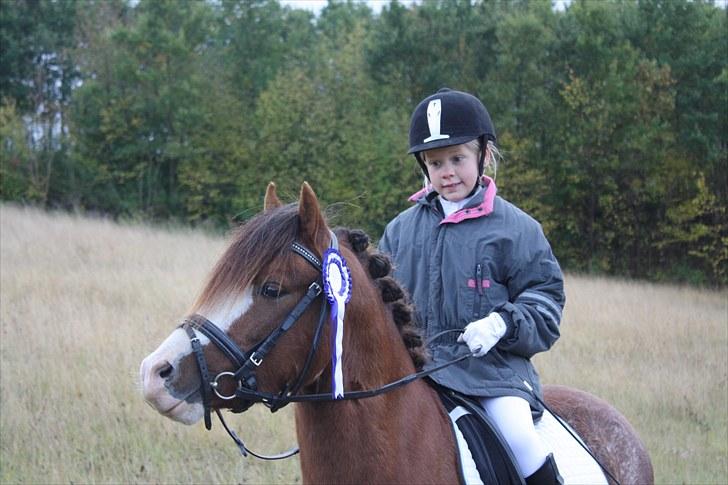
449,118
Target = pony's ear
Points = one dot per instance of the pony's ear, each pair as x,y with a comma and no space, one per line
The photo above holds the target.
313,227
271,200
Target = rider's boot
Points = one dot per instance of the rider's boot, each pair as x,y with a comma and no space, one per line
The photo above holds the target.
548,474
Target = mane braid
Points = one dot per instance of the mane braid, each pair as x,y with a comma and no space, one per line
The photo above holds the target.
379,267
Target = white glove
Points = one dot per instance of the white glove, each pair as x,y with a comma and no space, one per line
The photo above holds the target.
481,335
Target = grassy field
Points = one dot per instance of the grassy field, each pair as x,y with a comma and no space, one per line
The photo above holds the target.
82,301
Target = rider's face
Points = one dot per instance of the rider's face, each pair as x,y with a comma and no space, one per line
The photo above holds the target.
453,171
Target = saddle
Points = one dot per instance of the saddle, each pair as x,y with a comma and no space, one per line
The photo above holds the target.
478,437
485,457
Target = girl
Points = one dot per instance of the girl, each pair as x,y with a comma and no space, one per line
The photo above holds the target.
473,261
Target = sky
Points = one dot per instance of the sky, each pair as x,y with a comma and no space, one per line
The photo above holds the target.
376,5
317,5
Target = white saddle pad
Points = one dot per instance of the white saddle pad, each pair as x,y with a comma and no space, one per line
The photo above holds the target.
576,466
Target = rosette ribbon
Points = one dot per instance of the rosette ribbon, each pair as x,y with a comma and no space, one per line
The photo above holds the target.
337,287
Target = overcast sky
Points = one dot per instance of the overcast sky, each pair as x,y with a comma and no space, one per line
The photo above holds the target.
376,5
316,5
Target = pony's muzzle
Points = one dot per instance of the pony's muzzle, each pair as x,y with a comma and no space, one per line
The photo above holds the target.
157,376
154,373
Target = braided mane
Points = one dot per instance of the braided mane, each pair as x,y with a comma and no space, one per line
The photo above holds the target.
393,295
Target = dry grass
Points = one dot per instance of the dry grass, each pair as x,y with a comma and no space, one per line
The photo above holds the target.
82,301
658,353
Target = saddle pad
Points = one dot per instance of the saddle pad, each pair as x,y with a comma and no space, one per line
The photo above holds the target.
483,455
576,466
467,464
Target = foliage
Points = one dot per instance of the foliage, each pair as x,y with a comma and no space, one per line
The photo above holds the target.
15,154
37,75
612,116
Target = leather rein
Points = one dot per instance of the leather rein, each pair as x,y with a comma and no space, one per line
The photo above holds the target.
247,362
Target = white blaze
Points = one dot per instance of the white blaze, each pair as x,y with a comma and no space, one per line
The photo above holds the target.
226,311
222,313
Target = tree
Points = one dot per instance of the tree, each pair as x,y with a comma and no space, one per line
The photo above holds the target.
521,90
328,126
255,39
614,126
37,72
135,117
16,158
431,45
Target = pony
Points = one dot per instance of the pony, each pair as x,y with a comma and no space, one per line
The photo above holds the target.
400,436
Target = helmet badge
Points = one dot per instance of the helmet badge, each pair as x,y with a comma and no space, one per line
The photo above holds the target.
434,113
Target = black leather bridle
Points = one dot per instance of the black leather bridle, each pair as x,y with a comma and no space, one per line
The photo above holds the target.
246,363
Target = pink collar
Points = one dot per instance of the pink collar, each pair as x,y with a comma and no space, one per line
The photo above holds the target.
482,209
420,193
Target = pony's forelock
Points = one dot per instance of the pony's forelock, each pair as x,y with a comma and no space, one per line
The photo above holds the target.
255,245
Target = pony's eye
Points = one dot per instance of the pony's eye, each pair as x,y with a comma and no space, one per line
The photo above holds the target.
271,289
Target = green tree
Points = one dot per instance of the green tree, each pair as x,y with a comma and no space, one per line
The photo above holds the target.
135,118
328,126
254,39
692,39
16,158
433,44
698,227
614,126
37,73
520,91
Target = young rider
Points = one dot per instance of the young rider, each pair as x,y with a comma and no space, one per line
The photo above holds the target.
473,261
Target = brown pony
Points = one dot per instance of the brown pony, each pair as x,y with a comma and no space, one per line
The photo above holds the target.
403,436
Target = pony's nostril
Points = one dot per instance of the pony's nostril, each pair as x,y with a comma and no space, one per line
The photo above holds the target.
165,370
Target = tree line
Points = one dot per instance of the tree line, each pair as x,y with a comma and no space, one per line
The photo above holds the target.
611,115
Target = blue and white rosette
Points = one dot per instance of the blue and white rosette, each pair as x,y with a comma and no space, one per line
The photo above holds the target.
337,287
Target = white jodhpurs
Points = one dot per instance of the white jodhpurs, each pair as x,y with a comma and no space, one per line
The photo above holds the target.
512,416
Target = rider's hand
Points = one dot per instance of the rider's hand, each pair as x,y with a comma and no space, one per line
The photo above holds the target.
481,335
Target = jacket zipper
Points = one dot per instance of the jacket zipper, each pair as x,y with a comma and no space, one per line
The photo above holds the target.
478,289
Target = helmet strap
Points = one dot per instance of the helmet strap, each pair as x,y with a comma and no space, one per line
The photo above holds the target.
423,167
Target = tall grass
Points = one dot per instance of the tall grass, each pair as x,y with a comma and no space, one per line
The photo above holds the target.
82,301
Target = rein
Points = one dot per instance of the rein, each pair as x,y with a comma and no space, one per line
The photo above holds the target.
242,393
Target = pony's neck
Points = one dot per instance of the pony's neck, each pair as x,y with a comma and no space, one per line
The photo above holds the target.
368,440
374,353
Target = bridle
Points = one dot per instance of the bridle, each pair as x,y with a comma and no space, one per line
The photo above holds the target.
246,363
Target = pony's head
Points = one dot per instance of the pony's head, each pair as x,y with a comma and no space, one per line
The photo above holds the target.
252,290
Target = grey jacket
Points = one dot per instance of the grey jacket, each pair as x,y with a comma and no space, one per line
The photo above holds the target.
487,257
